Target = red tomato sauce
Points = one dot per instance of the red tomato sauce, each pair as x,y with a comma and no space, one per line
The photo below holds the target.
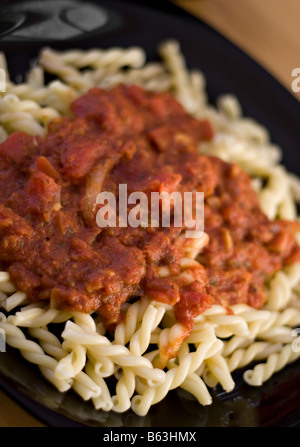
53,249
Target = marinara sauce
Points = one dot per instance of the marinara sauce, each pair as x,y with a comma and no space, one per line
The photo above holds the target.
53,249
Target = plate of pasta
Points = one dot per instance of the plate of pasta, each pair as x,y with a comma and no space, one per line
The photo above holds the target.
135,323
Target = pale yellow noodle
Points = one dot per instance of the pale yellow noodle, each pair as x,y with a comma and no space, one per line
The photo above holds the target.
275,362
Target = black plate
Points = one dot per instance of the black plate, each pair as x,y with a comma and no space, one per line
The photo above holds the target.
228,70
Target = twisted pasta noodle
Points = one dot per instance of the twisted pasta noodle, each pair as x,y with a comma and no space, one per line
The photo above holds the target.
152,77
60,96
65,64
35,78
120,355
268,326
200,335
260,321
33,352
183,90
10,298
275,362
112,57
186,276
288,317
104,400
36,316
169,341
53,63
256,320
277,334
234,343
134,314
140,341
70,361
26,91
195,385
198,85
103,365
176,376
264,325
229,106
7,287
225,325
85,386
244,142
11,302
56,94
74,362
124,391
255,351
85,321
229,118
272,196
243,349
48,341
25,115
246,154
54,98
239,139
216,367
249,130
280,287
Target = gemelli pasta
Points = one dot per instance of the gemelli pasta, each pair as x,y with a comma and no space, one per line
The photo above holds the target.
149,352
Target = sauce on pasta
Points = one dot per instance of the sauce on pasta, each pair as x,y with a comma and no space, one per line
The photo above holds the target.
53,249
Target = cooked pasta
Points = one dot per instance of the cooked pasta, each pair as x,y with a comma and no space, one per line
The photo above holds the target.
132,368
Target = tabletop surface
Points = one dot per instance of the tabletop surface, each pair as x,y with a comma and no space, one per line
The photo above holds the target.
268,30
